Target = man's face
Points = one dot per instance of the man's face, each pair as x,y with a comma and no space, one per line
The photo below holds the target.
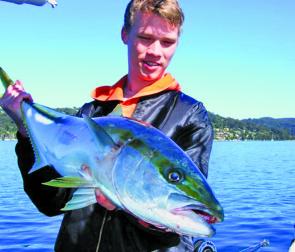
151,44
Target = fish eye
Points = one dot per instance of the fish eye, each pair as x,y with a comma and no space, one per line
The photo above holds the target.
175,176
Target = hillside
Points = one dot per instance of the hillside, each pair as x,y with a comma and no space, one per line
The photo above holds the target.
280,124
7,127
225,128
233,129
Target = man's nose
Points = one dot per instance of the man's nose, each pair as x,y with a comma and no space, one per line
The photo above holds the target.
155,48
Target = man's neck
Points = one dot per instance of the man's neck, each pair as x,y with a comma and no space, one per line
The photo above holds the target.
133,86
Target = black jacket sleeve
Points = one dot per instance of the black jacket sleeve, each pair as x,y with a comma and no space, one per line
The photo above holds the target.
196,137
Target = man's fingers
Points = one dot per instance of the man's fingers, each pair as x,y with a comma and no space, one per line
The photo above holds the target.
19,85
143,223
17,92
23,96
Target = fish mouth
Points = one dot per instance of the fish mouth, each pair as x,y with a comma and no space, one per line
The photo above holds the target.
210,213
207,217
202,212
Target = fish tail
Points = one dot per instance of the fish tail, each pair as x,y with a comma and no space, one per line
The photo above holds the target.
6,81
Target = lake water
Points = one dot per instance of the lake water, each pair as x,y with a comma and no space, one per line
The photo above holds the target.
254,181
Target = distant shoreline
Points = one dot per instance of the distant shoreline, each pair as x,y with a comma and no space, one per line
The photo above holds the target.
225,129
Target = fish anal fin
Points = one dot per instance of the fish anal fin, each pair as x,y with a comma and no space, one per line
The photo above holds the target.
81,198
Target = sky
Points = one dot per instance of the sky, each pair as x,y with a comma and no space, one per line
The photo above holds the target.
235,56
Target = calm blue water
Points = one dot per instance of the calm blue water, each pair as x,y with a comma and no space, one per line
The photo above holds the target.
254,181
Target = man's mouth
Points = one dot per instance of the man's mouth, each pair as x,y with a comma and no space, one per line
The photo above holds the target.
151,63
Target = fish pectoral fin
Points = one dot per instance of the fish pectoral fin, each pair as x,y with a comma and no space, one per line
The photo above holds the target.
81,198
68,182
103,138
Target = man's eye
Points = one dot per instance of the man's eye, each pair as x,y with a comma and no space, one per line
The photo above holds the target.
144,38
167,43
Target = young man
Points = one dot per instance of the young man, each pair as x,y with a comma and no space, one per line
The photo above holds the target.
151,31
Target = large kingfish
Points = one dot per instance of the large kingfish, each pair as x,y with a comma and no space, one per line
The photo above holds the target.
134,165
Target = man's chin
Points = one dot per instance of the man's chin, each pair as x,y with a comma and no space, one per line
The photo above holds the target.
151,77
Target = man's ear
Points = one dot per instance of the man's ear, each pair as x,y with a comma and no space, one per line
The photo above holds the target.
124,35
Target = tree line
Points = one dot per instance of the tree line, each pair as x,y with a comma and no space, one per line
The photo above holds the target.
233,129
224,128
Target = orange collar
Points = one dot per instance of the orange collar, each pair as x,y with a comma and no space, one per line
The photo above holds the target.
115,92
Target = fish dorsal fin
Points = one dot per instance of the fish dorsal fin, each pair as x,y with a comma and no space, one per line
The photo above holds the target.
102,137
118,111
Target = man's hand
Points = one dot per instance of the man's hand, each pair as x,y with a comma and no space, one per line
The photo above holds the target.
104,201
11,101
100,198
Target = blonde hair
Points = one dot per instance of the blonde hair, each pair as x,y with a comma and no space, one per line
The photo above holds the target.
166,9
